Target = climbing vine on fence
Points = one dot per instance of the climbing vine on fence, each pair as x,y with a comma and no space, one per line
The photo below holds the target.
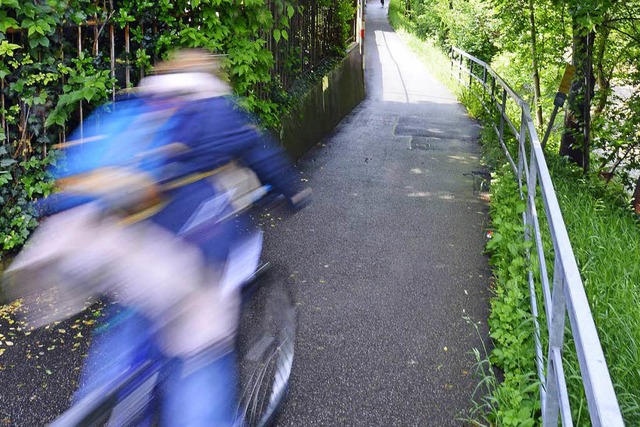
61,58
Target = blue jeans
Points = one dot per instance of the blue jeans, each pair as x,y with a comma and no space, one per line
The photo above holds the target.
188,396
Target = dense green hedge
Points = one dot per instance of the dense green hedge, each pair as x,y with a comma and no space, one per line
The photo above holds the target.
59,59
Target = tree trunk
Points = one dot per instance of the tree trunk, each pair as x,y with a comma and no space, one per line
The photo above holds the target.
636,198
534,65
602,78
575,139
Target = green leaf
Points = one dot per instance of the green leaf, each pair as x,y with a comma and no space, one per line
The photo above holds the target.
279,7
11,3
89,93
276,35
5,177
36,41
7,22
7,48
78,17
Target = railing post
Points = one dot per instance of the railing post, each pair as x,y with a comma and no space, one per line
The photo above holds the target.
460,68
556,339
503,108
493,89
470,73
521,146
532,189
451,56
484,79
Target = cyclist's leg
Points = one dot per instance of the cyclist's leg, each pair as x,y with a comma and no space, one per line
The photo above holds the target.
200,392
120,343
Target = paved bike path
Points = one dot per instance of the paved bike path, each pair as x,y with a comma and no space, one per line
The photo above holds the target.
387,262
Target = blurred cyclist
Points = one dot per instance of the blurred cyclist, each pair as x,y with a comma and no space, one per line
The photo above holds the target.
174,166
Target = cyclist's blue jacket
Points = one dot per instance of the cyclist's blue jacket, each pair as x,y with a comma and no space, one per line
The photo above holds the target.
179,144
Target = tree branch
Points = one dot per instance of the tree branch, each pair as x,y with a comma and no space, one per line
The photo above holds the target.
635,38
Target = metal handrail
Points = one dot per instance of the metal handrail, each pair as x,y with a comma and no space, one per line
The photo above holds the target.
566,294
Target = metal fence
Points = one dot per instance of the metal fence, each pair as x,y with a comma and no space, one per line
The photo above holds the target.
314,35
564,295
312,38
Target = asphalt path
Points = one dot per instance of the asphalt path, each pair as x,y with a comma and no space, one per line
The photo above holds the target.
387,263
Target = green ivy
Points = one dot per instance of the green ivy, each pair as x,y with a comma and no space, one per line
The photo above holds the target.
46,82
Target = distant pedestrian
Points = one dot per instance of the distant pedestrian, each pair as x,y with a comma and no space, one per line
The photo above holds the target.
382,3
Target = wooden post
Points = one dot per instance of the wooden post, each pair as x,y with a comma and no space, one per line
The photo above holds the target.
96,37
636,198
127,49
142,69
112,38
80,53
3,121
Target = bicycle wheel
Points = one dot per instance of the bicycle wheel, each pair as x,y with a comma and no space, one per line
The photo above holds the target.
265,351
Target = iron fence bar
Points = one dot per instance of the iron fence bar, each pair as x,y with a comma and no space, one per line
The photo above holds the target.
495,129
112,58
493,88
556,339
476,78
486,109
542,262
532,224
502,83
521,152
127,50
503,106
512,127
537,334
451,60
484,78
565,407
496,103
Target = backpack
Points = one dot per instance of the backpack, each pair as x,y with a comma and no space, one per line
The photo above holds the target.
116,157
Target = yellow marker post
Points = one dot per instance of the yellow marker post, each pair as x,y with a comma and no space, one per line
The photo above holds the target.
561,96
565,84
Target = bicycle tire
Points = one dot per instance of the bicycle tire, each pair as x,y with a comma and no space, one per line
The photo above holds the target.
266,343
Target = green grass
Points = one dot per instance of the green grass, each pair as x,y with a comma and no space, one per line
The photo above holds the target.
605,235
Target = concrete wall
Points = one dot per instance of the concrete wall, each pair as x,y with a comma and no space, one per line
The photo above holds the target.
322,108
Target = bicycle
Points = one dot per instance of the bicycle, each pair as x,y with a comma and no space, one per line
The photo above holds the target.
265,359
264,348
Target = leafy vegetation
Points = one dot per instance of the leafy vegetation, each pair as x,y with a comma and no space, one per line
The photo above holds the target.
532,41
528,43
61,58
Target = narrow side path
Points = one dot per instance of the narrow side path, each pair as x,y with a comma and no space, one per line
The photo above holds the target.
387,262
